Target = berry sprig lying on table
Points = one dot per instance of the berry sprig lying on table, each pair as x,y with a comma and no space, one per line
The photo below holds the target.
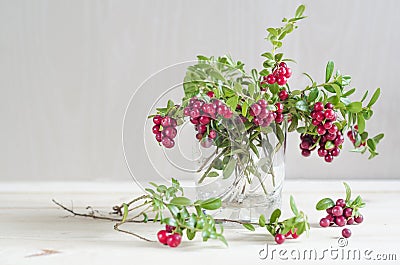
341,212
181,216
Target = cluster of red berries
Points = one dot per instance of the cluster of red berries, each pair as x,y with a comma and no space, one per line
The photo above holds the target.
201,113
165,130
262,116
324,117
167,237
340,215
280,238
279,75
352,138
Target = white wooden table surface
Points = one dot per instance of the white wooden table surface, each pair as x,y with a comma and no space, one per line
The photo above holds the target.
30,225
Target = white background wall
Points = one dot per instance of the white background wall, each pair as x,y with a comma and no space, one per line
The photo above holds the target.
68,68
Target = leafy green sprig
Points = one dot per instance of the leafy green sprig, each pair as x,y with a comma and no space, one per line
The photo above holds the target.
297,224
167,205
354,204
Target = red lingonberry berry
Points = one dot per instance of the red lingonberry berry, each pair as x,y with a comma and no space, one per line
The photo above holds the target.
157,119
279,107
335,151
346,233
204,120
305,153
347,212
288,72
315,122
210,94
324,222
350,221
281,71
337,211
281,80
199,136
212,134
194,113
341,203
333,129
174,240
319,116
328,158
255,109
283,64
159,137
359,219
322,152
169,132
156,129
279,238
328,125
166,121
167,142
279,117
319,106
194,120
321,130
201,128
340,220
169,228
329,105
162,236
271,79
283,95
330,114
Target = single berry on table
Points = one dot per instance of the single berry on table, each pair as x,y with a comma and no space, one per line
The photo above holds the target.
346,233
174,240
162,236
279,238
324,222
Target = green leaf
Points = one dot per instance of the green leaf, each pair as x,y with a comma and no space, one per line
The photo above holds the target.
354,107
329,145
249,227
329,71
313,94
371,144
350,92
190,233
324,204
300,11
238,88
360,122
329,88
348,191
374,97
278,56
293,206
302,105
364,96
268,55
378,137
230,167
212,174
275,215
261,220
273,31
211,204
337,90
181,201
126,211
232,102
245,107
293,125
